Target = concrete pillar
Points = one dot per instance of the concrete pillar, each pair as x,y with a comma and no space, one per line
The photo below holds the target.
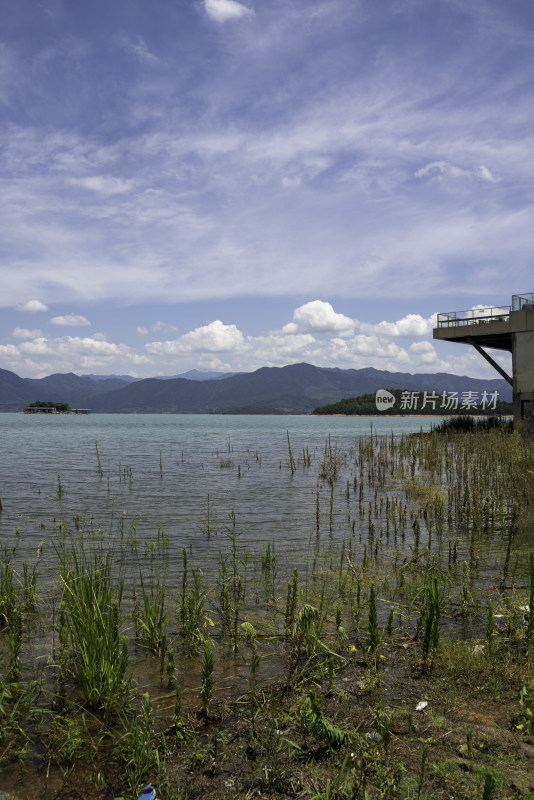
528,423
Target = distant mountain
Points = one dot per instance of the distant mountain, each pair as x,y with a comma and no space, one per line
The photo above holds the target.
126,378
196,375
295,389
78,392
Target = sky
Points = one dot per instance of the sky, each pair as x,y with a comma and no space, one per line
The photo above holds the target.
226,185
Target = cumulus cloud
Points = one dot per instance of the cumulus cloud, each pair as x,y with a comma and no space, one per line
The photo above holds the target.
318,335
44,355
71,320
317,316
225,10
215,337
32,305
24,333
411,326
102,183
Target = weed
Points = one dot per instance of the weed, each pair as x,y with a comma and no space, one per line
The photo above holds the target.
313,721
526,701
206,676
140,756
489,786
430,615
374,637
151,618
94,620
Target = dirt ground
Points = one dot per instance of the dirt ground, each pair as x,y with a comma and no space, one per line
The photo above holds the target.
472,725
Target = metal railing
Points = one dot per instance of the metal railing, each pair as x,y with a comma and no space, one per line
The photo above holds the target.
474,316
522,301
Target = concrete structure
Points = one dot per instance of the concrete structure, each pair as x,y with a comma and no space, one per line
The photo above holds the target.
509,328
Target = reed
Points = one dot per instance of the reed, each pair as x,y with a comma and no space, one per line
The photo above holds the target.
9,595
139,755
206,676
100,470
193,613
430,616
374,637
152,616
98,650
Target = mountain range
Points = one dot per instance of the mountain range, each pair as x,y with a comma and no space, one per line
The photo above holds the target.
294,389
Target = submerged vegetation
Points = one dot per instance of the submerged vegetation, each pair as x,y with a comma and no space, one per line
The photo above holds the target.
390,657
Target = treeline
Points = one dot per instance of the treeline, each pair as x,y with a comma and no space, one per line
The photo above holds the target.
421,403
48,404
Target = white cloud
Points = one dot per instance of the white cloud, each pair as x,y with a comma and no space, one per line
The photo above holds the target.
141,50
437,169
101,183
43,356
24,333
218,346
411,326
215,337
162,326
486,174
72,320
225,10
444,169
318,316
157,327
32,305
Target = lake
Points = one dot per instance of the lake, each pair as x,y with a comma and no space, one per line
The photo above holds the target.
158,472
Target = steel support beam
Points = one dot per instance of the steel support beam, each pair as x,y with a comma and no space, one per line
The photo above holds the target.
490,360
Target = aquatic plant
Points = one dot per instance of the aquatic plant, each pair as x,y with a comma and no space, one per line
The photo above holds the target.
206,676
151,617
99,653
139,755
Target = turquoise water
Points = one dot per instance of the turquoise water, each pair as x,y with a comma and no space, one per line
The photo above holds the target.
240,463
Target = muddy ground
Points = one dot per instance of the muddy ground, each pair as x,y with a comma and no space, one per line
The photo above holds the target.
472,725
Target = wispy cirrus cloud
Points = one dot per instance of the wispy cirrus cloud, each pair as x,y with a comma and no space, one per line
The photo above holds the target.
140,49
102,183
275,151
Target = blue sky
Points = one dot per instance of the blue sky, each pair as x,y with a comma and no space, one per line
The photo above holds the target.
225,185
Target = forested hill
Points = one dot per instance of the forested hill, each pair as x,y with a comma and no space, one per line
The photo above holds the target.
295,389
415,402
